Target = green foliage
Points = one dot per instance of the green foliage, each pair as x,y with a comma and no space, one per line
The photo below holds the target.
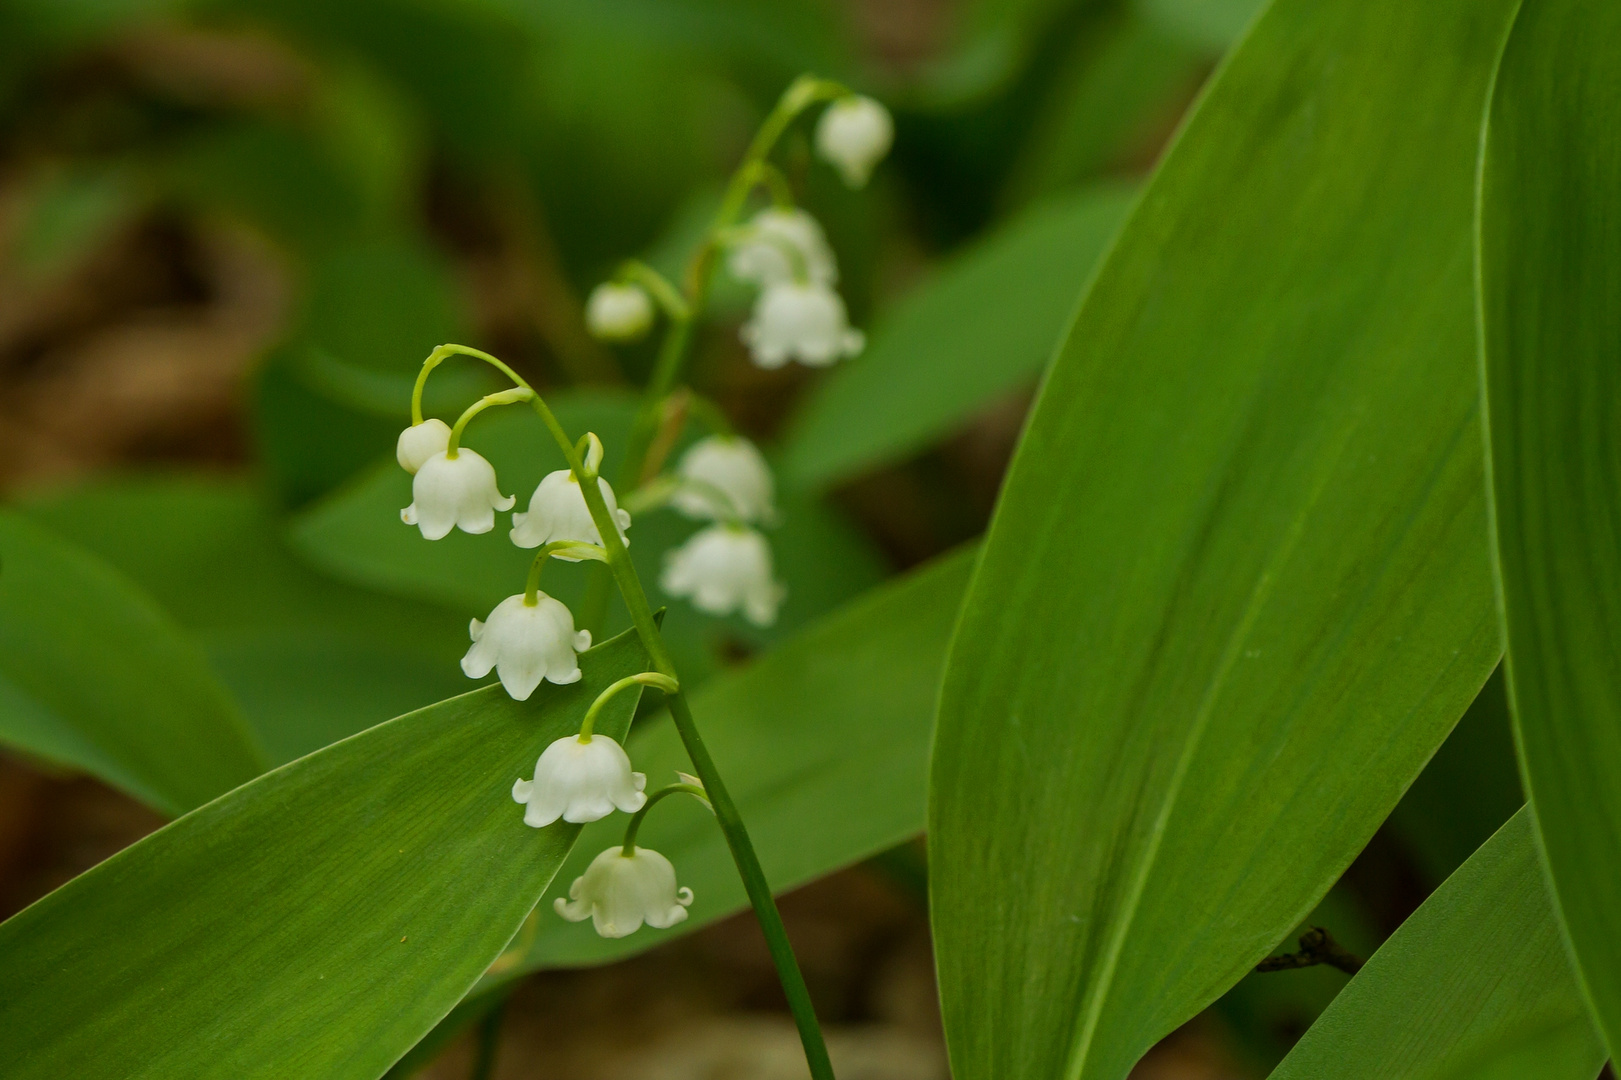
1475,984
1551,317
315,922
981,329
94,675
309,659
1236,592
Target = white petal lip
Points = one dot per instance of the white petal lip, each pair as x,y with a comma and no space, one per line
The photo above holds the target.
619,893
853,135
557,511
455,493
805,322
525,645
580,781
723,569
420,442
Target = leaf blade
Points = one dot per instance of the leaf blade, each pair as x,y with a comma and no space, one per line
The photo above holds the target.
1236,591
1551,315
322,942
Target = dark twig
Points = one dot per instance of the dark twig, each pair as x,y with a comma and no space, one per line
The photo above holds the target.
1317,946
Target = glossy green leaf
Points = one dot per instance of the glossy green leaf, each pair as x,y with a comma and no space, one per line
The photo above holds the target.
316,922
1237,589
1474,982
1211,24
94,675
310,660
981,329
1550,262
357,534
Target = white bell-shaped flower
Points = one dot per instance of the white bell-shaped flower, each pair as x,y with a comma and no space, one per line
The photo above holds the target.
853,135
779,245
580,778
725,568
619,892
419,442
525,643
800,322
727,477
454,493
619,312
557,511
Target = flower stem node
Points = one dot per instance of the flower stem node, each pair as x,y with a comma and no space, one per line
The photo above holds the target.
619,312
804,322
853,135
454,492
526,643
419,442
618,892
726,477
580,778
781,245
725,568
557,511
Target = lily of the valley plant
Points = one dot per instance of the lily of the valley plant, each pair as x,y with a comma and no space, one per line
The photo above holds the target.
575,515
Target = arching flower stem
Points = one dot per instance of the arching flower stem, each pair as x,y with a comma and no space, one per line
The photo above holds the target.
657,285
646,678
695,790
503,397
574,549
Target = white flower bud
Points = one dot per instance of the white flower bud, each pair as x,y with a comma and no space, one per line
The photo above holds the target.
454,492
619,892
782,245
419,442
580,778
619,312
800,322
557,511
729,468
722,569
525,644
853,135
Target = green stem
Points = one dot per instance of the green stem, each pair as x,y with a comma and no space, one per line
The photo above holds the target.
629,847
504,397
673,303
646,678
489,1042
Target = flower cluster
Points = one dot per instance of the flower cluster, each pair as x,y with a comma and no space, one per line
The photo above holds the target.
722,480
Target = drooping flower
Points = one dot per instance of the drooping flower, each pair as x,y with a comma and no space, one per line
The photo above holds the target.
780,245
557,511
454,492
725,568
580,778
804,322
619,312
727,477
853,135
619,892
525,643
419,442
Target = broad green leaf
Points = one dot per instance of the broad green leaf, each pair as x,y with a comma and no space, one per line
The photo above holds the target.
309,659
357,534
1237,589
316,922
1550,240
93,675
983,328
1474,982
1210,24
